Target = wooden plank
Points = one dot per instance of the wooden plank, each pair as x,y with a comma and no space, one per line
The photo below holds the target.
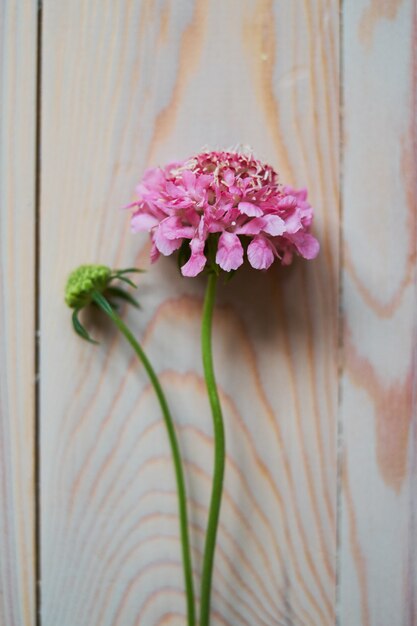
130,84
18,28
378,540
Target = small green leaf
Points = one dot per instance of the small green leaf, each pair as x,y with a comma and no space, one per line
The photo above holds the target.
123,295
79,328
113,305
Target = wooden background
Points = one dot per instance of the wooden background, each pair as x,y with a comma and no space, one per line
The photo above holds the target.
317,362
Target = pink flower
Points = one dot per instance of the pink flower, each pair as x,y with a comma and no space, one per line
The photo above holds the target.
231,199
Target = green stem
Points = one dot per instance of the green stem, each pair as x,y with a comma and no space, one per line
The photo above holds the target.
219,452
102,302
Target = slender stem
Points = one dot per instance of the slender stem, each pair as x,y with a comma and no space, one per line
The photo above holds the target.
102,302
219,452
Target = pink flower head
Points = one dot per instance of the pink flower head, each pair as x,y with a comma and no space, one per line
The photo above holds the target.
228,198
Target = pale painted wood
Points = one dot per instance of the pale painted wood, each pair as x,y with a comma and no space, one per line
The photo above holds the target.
378,567
132,84
18,24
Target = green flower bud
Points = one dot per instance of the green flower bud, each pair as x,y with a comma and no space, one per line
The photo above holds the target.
83,282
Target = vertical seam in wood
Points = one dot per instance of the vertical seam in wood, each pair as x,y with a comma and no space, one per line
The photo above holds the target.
339,418
410,599
37,529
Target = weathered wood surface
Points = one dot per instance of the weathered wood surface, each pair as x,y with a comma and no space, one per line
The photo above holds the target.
317,378
378,567
18,27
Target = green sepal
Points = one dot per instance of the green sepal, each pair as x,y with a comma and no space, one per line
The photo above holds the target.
129,270
123,295
79,328
127,281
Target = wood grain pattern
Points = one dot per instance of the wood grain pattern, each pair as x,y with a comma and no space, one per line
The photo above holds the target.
130,84
140,82
18,24
135,83
378,577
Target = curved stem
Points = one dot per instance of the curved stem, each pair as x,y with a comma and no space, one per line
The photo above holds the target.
219,452
105,306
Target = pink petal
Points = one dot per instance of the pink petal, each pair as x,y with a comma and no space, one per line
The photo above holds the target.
197,260
194,265
301,194
274,226
306,244
174,190
142,221
229,252
252,227
153,178
204,180
293,222
155,254
165,246
252,210
202,233
229,177
260,253
172,228
189,179
287,202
